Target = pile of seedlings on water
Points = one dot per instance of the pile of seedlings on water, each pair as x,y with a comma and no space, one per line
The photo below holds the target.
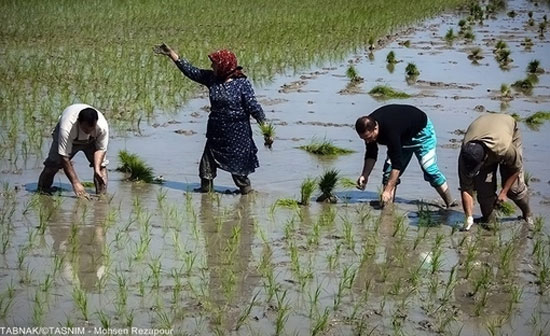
268,132
324,148
327,183
135,166
353,75
387,92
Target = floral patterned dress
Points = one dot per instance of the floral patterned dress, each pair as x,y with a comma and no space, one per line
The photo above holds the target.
228,132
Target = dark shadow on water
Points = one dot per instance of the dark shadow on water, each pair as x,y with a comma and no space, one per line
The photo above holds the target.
358,196
189,187
57,187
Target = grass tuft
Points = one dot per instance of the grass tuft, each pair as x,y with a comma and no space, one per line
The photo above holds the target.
135,166
534,67
384,91
390,58
353,75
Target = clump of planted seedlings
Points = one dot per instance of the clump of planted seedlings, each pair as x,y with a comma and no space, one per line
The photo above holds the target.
327,183
450,36
505,91
390,58
324,148
527,43
268,132
475,54
135,166
353,75
411,71
534,67
503,57
387,92
524,85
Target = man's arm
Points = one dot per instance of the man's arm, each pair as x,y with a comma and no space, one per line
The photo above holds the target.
389,189
507,185
365,173
73,178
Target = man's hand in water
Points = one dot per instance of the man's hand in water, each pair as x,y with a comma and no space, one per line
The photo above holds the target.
79,191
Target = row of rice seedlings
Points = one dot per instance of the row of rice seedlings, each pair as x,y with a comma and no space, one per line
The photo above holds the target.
387,92
324,148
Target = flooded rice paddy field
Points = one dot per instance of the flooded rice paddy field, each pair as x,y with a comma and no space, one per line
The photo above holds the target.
162,256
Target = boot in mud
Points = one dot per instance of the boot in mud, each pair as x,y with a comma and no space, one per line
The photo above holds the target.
206,186
445,193
523,204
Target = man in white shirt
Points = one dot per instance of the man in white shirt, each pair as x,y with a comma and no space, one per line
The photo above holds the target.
80,128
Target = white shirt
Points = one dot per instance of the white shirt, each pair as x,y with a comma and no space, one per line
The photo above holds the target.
71,134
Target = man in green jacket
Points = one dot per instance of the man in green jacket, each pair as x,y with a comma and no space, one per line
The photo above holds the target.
492,142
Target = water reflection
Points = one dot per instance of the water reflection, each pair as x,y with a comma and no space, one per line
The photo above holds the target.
229,235
78,239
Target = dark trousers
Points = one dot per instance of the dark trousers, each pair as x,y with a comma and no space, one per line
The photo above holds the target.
208,170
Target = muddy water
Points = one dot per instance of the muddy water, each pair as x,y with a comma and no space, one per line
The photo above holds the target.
218,252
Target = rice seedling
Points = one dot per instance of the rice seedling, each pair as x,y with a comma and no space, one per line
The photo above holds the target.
503,57
387,92
505,91
324,148
353,75
407,43
512,13
246,313
371,43
531,22
46,285
320,323
437,254
469,36
283,311
411,70
314,300
390,58
527,43
450,35
307,188
534,67
163,321
537,118
103,319
475,54
81,300
135,166
500,45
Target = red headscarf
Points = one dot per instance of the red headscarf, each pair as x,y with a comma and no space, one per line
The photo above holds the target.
226,64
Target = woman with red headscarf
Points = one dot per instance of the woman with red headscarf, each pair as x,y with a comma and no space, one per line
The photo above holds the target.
229,144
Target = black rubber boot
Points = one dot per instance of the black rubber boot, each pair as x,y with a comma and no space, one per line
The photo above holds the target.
523,204
206,186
